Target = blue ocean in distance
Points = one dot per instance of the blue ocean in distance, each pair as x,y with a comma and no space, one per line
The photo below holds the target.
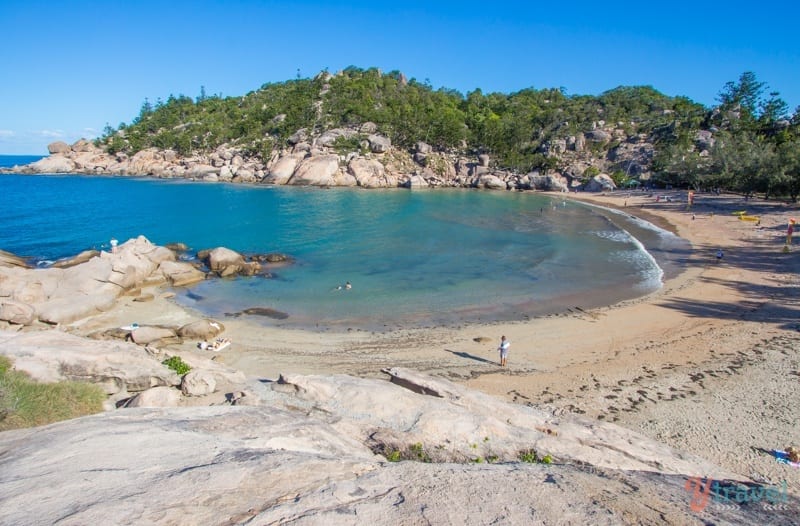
415,258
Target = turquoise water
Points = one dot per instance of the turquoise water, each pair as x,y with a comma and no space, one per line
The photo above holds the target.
413,257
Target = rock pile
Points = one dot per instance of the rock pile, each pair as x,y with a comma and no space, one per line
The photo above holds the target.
321,160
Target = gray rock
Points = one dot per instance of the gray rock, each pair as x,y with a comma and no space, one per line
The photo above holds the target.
379,143
600,183
369,173
549,182
282,169
83,257
226,262
147,334
423,147
53,356
16,312
181,274
156,397
311,465
491,182
54,164
321,170
58,147
198,383
82,145
328,138
201,330
300,135
415,181
598,136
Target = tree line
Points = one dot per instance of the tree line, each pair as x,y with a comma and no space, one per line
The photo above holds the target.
755,141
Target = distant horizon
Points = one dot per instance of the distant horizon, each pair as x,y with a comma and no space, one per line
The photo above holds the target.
75,68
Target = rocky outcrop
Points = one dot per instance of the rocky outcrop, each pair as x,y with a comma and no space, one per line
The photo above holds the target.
198,383
180,274
600,183
118,367
16,312
155,397
81,289
363,156
226,262
309,456
201,330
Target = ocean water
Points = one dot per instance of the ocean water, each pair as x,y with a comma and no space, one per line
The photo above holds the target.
415,258
7,161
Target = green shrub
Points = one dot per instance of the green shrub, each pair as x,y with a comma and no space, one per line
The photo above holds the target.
394,456
418,453
27,403
531,457
177,364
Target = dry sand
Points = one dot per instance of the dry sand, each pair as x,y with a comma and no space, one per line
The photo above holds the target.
709,364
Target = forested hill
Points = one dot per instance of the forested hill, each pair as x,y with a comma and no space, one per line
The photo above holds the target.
749,141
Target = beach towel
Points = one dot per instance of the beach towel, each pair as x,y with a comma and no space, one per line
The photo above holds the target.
783,458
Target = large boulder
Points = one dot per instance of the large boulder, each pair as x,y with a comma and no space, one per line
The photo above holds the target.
180,274
491,182
58,147
54,356
597,136
328,138
370,173
548,182
16,312
201,330
148,334
198,383
54,164
320,170
161,396
415,181
226,262
600,183
82,145
83,257
379,143
283,168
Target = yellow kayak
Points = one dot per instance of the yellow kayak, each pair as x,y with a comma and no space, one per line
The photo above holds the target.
749,218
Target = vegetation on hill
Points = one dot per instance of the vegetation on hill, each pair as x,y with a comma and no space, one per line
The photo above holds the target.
755,141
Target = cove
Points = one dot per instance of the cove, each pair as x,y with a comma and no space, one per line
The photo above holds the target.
414,258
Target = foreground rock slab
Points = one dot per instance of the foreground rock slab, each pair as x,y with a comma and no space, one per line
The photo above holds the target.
307,457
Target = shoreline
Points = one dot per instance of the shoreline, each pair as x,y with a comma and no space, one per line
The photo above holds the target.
709,363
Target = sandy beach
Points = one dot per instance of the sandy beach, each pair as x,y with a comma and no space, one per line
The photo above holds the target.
709,364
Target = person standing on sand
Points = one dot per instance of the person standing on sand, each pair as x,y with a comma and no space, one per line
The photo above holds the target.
503,349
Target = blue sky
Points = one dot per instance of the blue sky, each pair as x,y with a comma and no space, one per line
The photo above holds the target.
70,68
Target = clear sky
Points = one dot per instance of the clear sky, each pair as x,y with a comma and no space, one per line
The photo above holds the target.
70,68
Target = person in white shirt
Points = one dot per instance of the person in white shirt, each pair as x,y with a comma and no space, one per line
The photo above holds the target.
503,349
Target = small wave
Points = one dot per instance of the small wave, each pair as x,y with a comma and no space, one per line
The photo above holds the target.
619,236
641,223
44,263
